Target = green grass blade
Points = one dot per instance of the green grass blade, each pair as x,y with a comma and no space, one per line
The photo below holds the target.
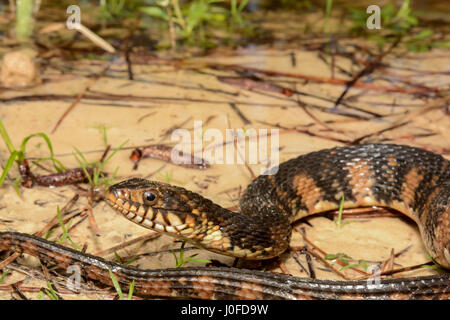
118,259
17,186
115,151
65,234
5,272
5,136
329,5
81,155
130,261
51,292
341,208
116,284
176,259
8,165
130,292
182,252
49,145
242,5
83,164
54,160
197,260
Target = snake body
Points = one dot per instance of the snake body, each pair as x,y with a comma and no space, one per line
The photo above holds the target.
224,283
411,180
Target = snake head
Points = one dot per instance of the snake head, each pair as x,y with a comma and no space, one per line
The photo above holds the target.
158,206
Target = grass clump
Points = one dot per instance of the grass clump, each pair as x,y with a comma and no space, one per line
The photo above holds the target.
119,290
19,155
395,23
49,292
98,177
194,22
179,261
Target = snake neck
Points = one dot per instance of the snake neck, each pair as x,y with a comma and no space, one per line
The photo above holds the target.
252,233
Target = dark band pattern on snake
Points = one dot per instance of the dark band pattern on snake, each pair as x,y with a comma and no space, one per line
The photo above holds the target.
411,180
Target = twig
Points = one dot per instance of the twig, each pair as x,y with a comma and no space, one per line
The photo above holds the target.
163,152
127,45
255,83
19,293
395,126
54,220
127,243
252,174
94,38
8,260
388,264
318,256
394,271
361,213
69,176
174,127
369,68
80,95
362,85
308,132
105,153
283,268
312,273
325,262
299,263
90,213
239,113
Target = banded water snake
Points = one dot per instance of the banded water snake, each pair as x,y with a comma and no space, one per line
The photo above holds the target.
411,180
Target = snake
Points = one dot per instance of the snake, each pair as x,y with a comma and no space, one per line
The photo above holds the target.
411,180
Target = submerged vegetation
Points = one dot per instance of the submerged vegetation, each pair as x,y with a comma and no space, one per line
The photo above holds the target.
209,23
401,22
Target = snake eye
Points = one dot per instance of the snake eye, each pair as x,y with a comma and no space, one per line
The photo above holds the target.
149,197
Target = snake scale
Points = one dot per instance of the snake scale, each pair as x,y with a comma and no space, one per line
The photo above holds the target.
411,180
